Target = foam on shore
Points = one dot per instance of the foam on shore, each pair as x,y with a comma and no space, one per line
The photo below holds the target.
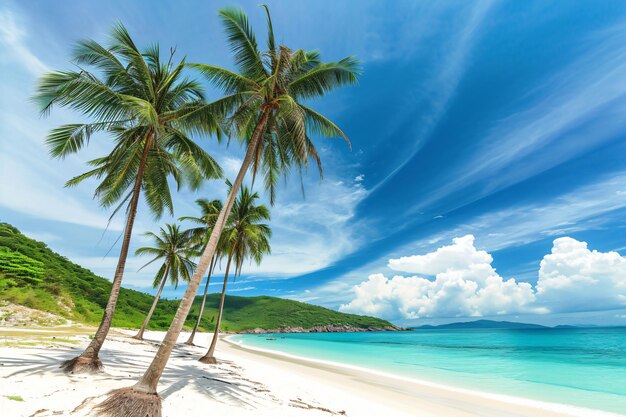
566,409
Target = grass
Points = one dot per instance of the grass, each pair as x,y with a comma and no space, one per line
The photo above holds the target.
34,276
32,339
14,397
19,343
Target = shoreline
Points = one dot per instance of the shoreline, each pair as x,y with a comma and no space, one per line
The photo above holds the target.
342,368
246,382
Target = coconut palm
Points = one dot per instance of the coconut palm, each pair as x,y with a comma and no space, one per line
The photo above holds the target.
200,234
173,247
264,104
245,237
149,110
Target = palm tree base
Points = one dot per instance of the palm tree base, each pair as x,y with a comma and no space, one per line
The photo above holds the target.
209,360
82,365
129,402
190,343
138,337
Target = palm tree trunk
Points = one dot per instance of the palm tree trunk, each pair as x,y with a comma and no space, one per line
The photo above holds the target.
139,335
150,379
206,287
210,355
88,361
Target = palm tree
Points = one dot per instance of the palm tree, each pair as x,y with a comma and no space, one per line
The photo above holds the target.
210,210
149,110
245,237
264,102
173,247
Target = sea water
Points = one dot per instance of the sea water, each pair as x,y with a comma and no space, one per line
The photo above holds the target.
573,366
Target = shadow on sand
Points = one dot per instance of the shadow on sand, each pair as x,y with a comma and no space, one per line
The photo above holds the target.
125,361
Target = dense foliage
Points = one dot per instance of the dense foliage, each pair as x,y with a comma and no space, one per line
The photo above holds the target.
33,275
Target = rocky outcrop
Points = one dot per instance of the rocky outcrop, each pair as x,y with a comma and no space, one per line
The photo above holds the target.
321,329
13,315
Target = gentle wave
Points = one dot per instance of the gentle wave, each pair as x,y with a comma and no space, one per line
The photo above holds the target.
547,406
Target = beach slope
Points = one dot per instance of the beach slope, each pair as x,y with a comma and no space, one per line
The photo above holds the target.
244,383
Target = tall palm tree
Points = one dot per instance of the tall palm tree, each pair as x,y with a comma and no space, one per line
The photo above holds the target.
200,234
245,238
149,110
172,246
264,101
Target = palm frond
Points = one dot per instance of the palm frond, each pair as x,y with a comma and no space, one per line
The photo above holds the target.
325,77
243,42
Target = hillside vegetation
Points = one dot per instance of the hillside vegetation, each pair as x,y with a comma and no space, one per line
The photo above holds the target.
34,276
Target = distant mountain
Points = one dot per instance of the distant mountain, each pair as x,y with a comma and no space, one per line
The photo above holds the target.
484,324
34,276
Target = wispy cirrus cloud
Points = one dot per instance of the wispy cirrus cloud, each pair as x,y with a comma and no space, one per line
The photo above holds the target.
438,90
33,184
13,37
589,207
558,121
29,192
309,233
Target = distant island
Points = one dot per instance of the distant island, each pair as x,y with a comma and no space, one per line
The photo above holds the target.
485,324
34,277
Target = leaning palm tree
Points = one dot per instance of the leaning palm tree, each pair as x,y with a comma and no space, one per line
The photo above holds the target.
264,101
200,234
173,247
149,110
245,238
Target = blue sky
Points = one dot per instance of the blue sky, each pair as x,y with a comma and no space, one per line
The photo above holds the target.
502,121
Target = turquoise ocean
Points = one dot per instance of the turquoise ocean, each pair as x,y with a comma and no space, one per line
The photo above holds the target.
573,366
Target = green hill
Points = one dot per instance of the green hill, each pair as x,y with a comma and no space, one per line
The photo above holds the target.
34,276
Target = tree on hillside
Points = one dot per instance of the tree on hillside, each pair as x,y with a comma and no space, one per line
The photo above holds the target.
206,222
264,102
149,110
245,237
173,247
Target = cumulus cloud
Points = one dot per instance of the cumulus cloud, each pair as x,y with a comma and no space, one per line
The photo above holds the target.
572,278
465,284
460,255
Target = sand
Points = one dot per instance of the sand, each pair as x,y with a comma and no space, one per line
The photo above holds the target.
244,383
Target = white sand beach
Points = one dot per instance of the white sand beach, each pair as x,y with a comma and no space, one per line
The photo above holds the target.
244,383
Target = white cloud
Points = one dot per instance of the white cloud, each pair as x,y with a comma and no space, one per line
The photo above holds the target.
104,266
437,92
32,182
311,233
525,143
571,279
231,166
12,35
42,236
242,289
584,208
29,191
454,257
465,284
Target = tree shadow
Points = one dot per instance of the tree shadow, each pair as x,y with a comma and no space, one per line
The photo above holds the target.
223,382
